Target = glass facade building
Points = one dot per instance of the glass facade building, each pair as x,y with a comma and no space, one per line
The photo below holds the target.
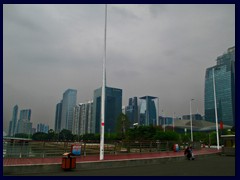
68,104
148,111
132,110
24,125
13,122
113,108
58,115
224,75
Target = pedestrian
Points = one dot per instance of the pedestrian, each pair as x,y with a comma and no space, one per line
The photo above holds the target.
188,153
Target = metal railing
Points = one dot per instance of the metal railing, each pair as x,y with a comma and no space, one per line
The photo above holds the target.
30,148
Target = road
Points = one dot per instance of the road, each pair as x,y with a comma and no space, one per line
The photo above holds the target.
211,166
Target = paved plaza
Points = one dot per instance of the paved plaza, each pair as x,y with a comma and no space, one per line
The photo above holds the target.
208,162
211,166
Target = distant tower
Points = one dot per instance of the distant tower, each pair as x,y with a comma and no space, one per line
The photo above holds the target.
83,123
132,110
24,125
113,108
58,118
86,123
76,120
148,111
68,103
224,73
13,122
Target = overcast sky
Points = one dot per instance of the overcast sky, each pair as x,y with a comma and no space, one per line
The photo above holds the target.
159,50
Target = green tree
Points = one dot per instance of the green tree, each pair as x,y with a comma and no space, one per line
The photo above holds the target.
142,133
200,137
22,135
122,125
65,135
89,136
51,135
40,136
167,136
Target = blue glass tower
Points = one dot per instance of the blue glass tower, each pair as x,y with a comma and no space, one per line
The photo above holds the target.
68,103
58,118
224,73
112,110
132,110
148,112
13,123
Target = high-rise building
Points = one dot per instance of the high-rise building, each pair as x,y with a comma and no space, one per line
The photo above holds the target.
42,128
132,110
83,122
24,125
224,75
58,118
89,128
76,120
148,111
25,114
86,122
68,103
13,122
113,108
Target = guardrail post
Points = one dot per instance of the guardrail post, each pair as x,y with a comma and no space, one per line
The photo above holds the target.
84,149
128,146
115,147
43,149
20,156
140,144
150,150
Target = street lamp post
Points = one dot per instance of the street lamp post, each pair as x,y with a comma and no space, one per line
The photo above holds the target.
173,121
215,105
164,123
191,119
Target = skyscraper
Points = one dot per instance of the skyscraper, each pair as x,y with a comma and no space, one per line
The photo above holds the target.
25,114
132,110
112,110
83,123
68,103
86,122
76,120
148,111
42,128
13,122
58,118
224,73
24,125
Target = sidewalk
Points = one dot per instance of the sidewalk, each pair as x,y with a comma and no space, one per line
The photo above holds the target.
107,158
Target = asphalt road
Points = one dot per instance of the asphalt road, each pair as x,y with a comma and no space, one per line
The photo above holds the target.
211,166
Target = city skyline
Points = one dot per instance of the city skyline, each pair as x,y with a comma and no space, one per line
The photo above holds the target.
159,50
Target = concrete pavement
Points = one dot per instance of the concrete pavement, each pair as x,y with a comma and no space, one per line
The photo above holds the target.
14,166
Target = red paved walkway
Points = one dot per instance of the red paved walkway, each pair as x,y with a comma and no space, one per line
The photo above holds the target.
108,157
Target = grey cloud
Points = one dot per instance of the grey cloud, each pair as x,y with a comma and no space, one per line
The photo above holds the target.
157,9
160,50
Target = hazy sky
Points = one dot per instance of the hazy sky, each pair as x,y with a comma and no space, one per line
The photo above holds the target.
159,50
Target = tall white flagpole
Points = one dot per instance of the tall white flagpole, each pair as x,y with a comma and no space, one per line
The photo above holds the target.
103,92
215,105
